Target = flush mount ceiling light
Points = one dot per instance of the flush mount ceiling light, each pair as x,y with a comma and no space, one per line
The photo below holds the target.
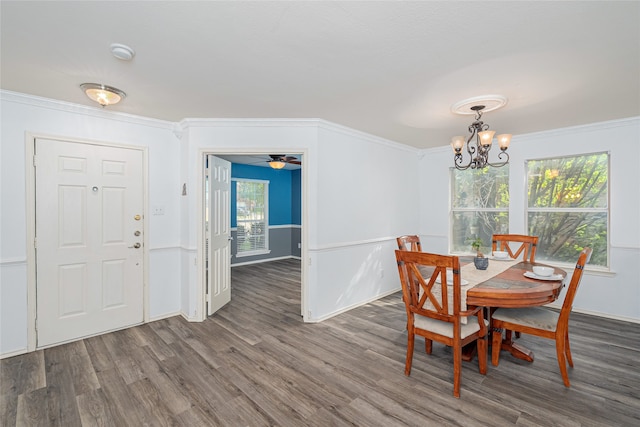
102,94
479,142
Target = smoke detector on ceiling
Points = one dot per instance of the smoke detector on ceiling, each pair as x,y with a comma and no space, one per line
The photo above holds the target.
122,52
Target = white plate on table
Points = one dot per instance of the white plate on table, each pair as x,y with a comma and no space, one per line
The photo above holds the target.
553,277
495,258
450,281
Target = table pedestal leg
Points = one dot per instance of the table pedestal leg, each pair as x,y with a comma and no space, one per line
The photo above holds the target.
516,350
469,351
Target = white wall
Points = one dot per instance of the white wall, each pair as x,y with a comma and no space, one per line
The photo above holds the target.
615,294
21,114
367,193
358,201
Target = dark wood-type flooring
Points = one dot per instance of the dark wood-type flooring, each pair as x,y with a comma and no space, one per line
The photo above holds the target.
255,363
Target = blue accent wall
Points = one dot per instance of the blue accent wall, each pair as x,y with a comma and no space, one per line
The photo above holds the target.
284,192
296,197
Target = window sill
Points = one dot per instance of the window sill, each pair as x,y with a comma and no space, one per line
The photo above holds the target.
589,270
253,253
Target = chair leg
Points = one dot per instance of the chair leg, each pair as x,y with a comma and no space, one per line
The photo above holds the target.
410,342
496,346
482,355
562,362
567,349
428,345
457,368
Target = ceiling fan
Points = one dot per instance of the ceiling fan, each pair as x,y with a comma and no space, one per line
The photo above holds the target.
278,161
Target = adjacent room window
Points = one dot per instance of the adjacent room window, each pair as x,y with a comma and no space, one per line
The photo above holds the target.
479,206
252,220
568,207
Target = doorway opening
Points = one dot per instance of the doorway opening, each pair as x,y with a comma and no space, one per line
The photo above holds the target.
279,233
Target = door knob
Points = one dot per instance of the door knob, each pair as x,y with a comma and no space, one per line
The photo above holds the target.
135,245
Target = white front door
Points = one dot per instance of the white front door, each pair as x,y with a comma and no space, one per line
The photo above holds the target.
89,225
218,231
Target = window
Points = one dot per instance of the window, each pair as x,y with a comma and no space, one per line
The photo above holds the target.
479,206
252,217
568,207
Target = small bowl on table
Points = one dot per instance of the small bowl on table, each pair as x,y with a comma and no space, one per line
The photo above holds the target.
500,254
541,271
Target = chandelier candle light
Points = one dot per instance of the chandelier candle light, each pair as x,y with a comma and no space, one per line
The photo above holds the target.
479,152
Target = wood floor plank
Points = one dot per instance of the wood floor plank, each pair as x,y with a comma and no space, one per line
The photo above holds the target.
19,375
97,410
117,392
32,408
256,363
62,407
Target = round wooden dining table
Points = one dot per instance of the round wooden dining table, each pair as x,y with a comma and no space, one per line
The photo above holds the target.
511,288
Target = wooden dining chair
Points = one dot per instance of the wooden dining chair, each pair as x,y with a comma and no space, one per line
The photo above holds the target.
429,313
528,245
542,322
409,243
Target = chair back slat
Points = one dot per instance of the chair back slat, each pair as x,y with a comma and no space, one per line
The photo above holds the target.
527,247
567,305
409,243
424,284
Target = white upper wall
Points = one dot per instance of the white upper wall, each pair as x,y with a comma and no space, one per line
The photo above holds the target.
615,295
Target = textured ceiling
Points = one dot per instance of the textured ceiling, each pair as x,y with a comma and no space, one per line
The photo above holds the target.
392,69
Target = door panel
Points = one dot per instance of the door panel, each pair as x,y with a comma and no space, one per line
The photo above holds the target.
218,234
89,275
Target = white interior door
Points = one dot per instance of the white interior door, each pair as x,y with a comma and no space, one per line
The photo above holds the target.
218,233
89,225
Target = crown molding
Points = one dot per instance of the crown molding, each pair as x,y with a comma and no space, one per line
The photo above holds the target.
248,122
285,122
333,127
85,110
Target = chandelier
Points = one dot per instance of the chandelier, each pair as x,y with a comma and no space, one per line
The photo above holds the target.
479,145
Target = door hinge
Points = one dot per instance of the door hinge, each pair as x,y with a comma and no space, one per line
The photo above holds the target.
35,243
207,297
35,163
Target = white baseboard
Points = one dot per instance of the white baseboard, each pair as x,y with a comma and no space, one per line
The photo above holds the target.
259,261
351,307
165,316
13,353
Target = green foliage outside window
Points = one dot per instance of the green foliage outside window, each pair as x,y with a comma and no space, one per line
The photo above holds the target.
568,207
479,206
251,215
